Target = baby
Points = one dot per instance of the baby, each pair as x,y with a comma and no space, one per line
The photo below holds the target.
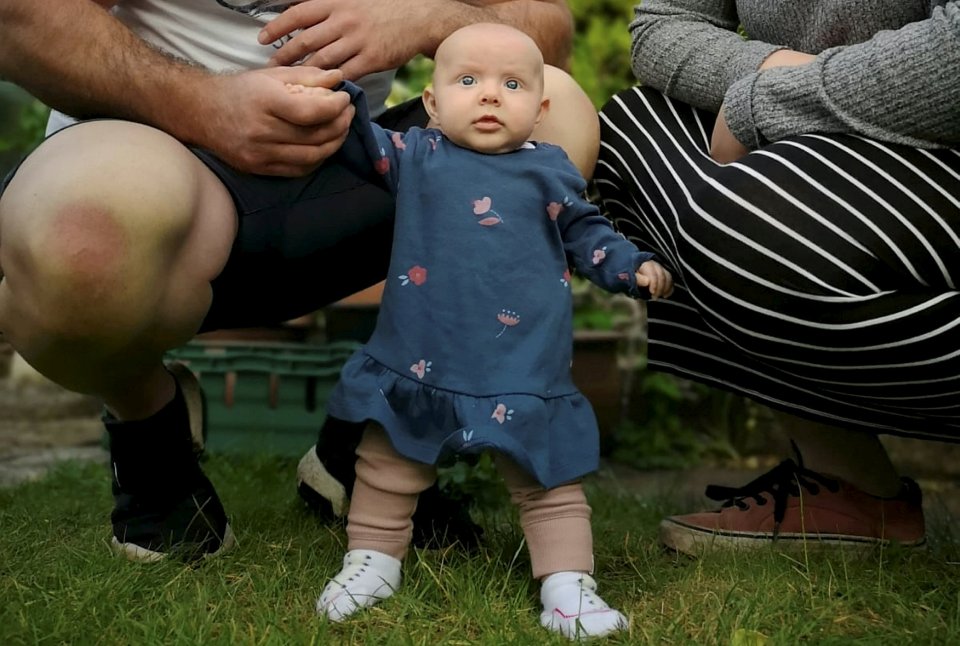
473,343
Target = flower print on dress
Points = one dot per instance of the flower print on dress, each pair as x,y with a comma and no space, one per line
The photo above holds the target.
501,413
416,275
397,140
421,368
382,165
565,279
554,209
509,318
599,255
482,207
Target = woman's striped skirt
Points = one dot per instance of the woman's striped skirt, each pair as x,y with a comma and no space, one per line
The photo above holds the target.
817,275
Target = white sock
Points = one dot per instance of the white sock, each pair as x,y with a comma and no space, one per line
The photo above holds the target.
572,608
367,577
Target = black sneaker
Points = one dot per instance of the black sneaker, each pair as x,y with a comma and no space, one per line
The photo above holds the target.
325,479
163,503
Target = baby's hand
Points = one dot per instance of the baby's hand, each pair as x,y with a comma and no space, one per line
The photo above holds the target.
656,279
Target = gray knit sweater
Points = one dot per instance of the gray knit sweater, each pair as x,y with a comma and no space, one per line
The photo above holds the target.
885,69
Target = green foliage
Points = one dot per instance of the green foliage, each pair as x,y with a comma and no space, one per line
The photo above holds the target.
674,423
595,309
22,123
601,47
473,478
659,437
31,122
411,79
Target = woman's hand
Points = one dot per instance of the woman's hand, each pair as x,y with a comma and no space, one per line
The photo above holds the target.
786,58
724,147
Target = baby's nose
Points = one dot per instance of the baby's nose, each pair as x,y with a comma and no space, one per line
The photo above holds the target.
490,94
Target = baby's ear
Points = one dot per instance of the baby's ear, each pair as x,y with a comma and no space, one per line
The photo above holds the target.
430,103
544,108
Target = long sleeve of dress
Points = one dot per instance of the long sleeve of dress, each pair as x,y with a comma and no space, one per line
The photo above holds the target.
690,49
598,252
370,151
901,86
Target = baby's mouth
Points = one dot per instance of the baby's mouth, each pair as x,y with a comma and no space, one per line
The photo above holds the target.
488,121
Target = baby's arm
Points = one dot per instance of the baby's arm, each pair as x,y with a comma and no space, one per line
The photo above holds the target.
597,251
369,150
656,278
604,257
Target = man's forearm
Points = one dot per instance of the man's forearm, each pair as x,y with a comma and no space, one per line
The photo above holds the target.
76,57
548,22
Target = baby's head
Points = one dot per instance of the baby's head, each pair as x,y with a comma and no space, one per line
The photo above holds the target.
487,92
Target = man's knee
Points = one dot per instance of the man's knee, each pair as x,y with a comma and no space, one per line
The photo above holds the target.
92,217
571,122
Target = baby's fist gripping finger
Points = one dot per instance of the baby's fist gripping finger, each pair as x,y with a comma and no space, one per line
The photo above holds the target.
658,281
645,279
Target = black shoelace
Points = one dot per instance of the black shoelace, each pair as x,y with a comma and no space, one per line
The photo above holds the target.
779,483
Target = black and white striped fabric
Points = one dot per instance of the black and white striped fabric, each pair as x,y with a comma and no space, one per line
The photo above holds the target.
817,275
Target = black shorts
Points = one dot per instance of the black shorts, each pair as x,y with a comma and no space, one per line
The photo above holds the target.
303,242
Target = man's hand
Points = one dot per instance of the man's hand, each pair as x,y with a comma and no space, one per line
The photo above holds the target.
358,37
724,147
249,119
365,36
656,278
255,123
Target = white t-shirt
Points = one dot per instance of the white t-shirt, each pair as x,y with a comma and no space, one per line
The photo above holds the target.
221,35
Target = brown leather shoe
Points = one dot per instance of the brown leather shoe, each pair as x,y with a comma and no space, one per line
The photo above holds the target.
792,507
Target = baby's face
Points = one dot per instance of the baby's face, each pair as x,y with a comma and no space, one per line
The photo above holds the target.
487,91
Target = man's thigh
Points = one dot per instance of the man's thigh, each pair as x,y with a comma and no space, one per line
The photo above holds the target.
305,242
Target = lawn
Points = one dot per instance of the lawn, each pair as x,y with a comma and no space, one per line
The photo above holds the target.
59,582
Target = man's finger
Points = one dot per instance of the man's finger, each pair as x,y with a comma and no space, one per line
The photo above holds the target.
296,161
314,109
298,16
307,75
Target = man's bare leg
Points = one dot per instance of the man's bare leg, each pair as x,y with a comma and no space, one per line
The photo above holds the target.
110,234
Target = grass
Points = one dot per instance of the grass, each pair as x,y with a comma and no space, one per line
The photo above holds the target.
59,582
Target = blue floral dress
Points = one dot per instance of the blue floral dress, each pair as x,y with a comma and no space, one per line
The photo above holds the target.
472,347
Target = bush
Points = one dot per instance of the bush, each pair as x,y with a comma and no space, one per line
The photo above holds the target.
601,47
22,122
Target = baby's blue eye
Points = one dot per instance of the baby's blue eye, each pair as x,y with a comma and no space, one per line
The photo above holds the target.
512,84
467,80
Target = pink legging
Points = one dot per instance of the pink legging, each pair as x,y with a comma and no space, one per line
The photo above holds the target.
555,522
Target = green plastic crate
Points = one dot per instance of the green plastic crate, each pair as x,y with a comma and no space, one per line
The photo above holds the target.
264,397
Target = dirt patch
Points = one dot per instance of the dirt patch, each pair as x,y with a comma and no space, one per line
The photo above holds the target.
42,424
44,415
